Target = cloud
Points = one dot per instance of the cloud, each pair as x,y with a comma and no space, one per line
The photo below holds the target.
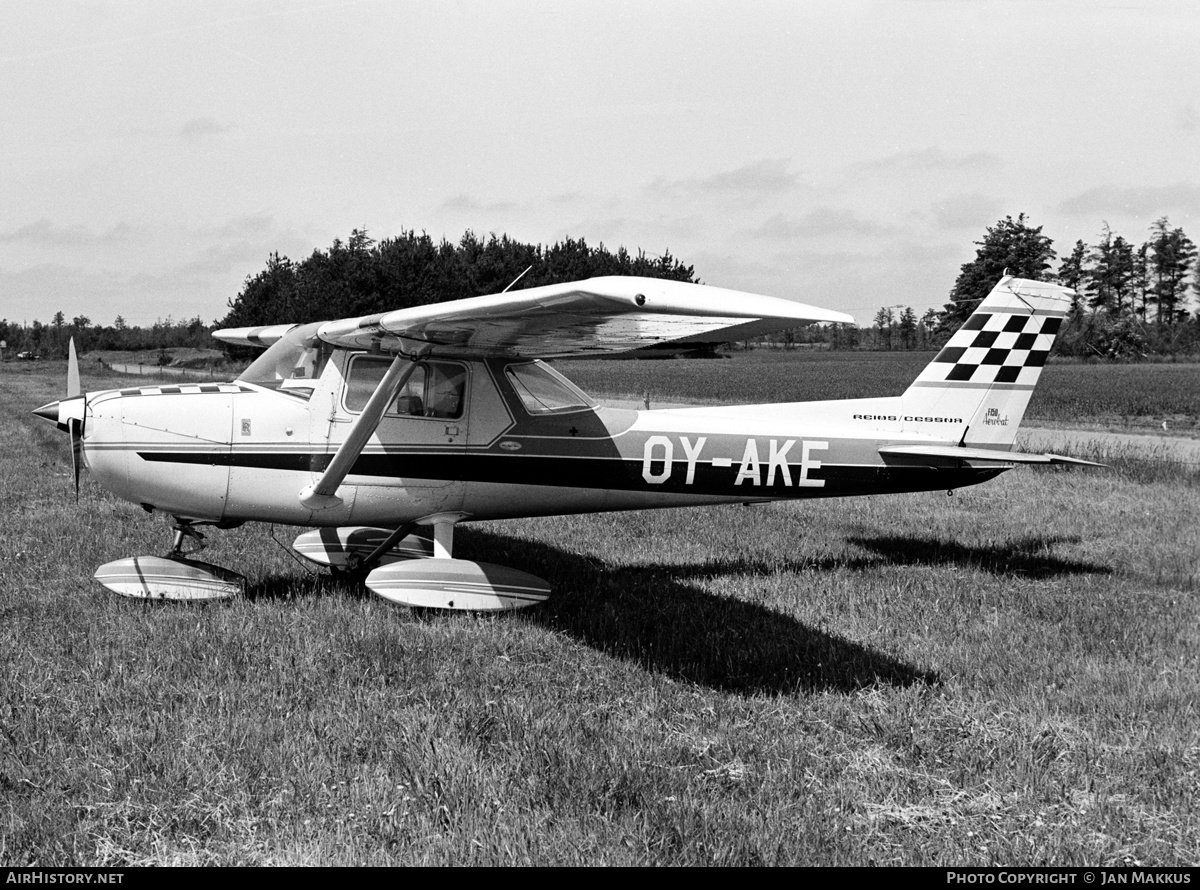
1148,201
179,269
970,211
465,203
217,259
201,128
818,223
1187,118
748,183
241,226
926,160
566,199
45,233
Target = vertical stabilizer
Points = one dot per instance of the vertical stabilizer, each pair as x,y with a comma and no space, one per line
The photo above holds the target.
985,375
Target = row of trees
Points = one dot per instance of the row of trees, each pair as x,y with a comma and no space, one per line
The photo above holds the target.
1131,301
50,340
361,277
357,277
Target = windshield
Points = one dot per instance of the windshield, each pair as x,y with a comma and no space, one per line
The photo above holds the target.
545,391
292,363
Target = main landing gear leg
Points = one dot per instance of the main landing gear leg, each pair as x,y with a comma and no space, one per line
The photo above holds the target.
443,538
359,566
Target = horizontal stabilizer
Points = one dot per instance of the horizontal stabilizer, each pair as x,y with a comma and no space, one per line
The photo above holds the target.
986,454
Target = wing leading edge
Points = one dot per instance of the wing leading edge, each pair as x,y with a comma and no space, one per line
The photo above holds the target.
600,316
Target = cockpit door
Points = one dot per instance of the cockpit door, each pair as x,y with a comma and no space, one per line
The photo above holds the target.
423,430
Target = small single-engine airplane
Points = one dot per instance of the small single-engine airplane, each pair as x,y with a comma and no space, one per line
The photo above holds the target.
384,432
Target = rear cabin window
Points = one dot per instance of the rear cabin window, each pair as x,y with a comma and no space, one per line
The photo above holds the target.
435,389
545,391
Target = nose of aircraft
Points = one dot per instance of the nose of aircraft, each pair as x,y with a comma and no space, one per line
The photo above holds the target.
68,416
48,412
61,413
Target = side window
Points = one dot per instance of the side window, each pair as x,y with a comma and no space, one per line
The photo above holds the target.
435,389
411,401
444,391
365,374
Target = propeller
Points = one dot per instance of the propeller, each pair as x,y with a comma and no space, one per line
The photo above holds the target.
75,424
73,387
70,414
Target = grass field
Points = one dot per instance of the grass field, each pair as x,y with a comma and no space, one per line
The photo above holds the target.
1007,676
1119,396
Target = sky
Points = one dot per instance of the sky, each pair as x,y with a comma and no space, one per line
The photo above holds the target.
844,154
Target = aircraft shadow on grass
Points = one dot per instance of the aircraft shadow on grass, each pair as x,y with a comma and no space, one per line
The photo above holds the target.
647,615
1027,557
654,616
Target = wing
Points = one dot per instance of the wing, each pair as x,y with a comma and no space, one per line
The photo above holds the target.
600,316
260,336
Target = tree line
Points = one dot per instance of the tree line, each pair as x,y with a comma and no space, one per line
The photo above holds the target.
1132,301
50,340
357,277
361,277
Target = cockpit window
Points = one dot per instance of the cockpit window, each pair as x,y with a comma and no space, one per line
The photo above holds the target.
543,390
292,363
435,389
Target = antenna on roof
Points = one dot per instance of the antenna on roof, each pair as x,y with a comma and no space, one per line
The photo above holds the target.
518,278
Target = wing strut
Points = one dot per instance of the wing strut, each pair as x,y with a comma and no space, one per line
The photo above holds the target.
323,494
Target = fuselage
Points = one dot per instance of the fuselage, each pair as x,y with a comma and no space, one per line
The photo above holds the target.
487,438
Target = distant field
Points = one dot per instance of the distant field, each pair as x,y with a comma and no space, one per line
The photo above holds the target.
1006,676
1120,395
1115,395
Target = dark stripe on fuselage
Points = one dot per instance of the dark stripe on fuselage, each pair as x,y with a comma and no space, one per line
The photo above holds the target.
605,473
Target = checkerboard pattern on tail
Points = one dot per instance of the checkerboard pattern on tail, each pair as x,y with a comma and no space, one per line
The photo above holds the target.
987,371
998,348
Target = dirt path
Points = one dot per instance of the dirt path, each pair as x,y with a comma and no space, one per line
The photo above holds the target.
1168,447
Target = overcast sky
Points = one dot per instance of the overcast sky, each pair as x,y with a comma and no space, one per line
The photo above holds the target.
843,154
